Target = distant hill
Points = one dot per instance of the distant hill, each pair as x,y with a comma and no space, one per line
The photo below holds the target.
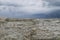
39,15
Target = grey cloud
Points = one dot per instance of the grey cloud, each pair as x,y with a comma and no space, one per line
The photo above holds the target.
53,2
9,4
52,14
12,12
56,4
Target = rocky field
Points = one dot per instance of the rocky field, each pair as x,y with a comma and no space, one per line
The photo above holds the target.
29,29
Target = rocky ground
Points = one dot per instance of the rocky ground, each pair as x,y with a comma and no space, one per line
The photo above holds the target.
30,29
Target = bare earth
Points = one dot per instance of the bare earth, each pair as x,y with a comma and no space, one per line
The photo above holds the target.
29,29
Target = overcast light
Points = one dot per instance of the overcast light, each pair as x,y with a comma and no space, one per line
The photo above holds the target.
27,6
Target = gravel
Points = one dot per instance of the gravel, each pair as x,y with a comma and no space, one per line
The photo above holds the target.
34,29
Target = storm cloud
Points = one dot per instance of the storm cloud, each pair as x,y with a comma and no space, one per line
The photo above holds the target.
54,2
29,8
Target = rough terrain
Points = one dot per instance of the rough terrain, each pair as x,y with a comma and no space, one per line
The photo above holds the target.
29,29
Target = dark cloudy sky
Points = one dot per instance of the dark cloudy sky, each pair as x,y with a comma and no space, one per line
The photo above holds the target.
26,8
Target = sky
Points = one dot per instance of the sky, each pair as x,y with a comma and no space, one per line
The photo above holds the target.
26,8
